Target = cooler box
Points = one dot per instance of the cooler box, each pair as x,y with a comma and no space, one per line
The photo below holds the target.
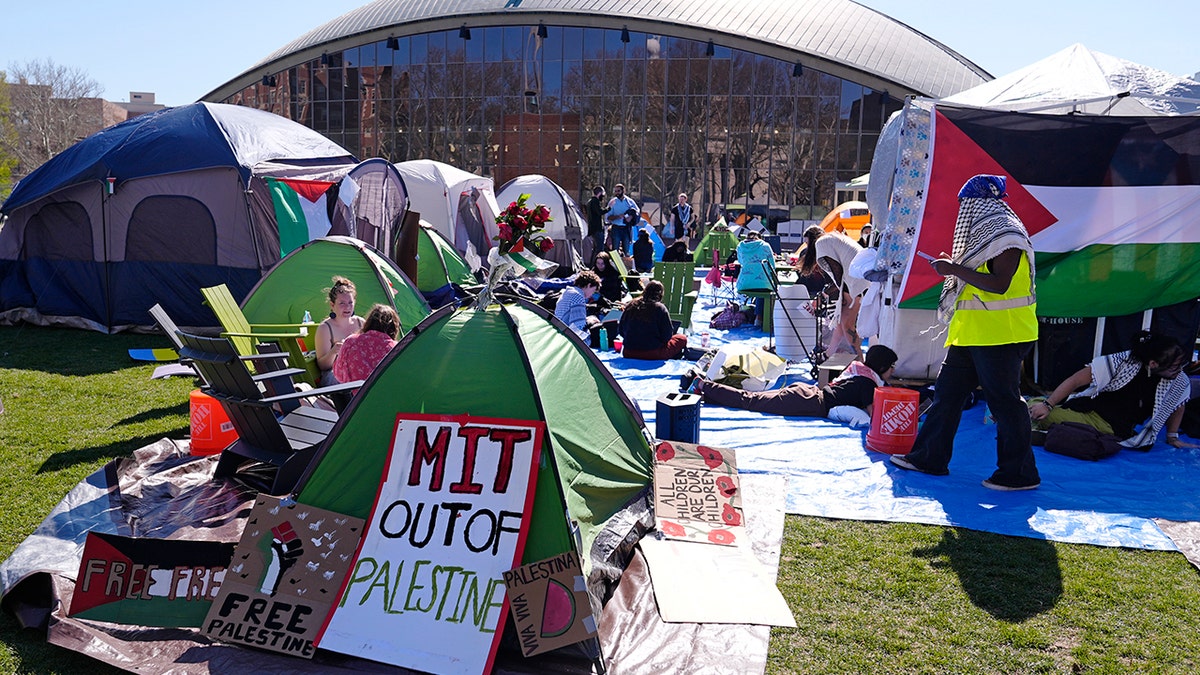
212,431
677,417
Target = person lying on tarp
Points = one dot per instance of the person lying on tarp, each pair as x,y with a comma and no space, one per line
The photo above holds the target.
1124,390
848,398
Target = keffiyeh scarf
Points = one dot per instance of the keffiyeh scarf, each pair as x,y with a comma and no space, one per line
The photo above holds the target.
1111,372
859,369
985,228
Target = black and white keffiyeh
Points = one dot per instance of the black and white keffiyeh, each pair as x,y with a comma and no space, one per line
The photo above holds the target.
1111,372
985,228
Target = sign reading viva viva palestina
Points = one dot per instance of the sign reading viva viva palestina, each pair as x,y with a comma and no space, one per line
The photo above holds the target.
426,588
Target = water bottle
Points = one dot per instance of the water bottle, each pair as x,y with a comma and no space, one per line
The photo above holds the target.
603,339
307,320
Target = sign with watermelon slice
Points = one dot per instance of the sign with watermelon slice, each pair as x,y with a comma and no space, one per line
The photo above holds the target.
549,603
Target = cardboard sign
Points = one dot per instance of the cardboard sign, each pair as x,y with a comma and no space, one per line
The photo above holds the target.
284,577
697,495
426,589
148,582
550,604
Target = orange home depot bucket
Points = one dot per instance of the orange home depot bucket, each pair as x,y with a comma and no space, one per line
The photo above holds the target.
212,431
893,420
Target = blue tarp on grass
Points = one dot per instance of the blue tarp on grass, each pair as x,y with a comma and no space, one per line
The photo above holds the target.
831,473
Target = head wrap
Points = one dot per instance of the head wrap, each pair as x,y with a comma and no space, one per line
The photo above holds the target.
984,186
986,227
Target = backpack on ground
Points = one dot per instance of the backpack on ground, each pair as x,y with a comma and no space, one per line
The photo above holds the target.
1075,439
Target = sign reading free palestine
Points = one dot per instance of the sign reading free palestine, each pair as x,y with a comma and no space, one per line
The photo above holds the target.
426,588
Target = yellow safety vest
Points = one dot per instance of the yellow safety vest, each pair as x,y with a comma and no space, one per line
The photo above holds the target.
982,318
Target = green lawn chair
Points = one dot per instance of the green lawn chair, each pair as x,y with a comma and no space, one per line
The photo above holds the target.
634,287
246,337
679,294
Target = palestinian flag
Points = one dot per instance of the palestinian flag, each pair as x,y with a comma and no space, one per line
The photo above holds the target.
525,259
301,210
1112,205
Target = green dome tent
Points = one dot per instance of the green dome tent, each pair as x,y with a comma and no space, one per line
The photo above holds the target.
299,281
512,361
438,263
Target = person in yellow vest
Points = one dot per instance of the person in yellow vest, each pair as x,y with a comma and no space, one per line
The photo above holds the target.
989,304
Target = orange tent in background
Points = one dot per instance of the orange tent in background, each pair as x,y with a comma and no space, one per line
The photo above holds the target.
847,218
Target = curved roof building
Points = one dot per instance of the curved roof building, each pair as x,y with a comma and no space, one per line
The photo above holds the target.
758,102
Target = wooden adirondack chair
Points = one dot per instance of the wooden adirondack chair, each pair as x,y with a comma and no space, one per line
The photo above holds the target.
272,451
246,337
635,288
678,280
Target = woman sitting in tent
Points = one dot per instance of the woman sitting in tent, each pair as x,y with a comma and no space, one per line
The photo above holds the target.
363,351
612,286
341,324
647,327
1124,390
832,253
847,399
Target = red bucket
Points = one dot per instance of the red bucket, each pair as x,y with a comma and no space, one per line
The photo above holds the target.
894,420
211,429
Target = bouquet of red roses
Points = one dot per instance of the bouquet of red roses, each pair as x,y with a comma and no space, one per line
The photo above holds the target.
522,235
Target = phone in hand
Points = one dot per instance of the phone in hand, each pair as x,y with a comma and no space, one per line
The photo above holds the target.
926,256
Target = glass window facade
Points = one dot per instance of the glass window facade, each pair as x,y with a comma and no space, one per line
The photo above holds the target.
657,113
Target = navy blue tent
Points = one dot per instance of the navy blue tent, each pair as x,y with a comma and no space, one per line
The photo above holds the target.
151,210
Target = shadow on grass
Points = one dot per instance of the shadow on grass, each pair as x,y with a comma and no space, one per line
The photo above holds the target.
158,414
104,453
984,565
71,351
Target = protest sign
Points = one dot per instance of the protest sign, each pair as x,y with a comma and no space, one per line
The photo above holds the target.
550,604
426,587
284,577
696,493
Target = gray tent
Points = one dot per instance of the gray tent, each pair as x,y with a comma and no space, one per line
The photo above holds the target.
151,210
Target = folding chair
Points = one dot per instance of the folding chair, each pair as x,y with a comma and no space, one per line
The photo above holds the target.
717,280
272,451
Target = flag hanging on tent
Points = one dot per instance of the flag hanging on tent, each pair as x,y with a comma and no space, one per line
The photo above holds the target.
1112,205
301,211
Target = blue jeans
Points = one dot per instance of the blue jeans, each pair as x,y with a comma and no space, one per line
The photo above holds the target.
622,239
997,369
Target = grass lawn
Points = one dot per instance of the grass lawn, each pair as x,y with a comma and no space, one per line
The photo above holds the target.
868,597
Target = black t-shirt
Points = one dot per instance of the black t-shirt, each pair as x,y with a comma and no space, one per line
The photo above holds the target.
1124,408
858,391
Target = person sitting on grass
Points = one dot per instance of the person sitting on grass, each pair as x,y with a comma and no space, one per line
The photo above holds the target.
855,387
647,327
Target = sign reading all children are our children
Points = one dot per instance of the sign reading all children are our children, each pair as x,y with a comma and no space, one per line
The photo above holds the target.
426,589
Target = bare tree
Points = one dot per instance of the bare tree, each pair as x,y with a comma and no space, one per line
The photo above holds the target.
8,136
53,106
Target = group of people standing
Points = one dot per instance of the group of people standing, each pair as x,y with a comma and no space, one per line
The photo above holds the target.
612,221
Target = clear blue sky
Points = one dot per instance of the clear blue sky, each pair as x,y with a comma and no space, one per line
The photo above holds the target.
183,50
